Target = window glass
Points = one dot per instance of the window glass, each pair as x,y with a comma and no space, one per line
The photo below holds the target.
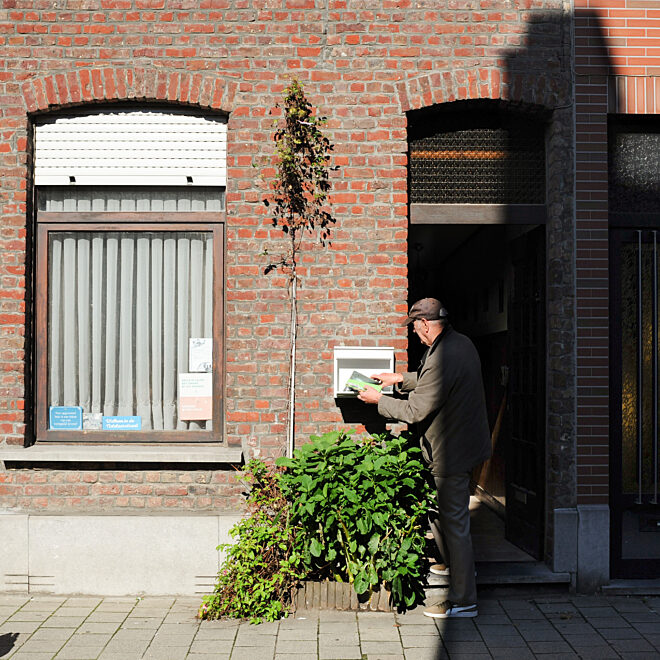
126,313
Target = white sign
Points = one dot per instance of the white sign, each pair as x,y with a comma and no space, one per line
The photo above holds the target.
200,354
196,396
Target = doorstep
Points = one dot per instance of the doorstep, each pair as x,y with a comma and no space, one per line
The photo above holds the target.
509,573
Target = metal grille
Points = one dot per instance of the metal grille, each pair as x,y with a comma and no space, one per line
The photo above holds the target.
493,165
634,170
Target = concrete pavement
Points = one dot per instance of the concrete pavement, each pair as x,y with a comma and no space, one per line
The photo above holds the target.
511,627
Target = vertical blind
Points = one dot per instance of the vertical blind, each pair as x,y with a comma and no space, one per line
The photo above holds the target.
122,308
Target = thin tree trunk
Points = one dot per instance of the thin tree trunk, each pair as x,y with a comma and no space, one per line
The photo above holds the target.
292,357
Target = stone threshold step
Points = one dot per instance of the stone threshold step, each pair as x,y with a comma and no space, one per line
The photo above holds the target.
632,587
524,572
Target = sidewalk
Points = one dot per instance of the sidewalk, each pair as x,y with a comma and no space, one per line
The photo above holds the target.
508,627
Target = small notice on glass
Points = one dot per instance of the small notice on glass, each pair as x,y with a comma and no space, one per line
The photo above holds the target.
200,354
196,396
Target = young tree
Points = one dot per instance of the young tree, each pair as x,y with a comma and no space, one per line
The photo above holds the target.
298,203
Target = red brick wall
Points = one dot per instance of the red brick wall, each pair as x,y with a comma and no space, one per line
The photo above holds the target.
363,65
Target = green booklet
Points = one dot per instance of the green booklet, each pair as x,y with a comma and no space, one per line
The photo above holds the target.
357,382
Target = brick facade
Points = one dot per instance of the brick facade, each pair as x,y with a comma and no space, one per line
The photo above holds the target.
364,65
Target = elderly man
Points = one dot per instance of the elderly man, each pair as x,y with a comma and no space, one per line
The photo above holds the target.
446,401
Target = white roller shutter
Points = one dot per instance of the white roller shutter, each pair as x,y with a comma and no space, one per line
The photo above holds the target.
129,147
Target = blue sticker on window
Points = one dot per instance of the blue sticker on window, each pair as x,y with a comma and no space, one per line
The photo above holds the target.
65,418
126,423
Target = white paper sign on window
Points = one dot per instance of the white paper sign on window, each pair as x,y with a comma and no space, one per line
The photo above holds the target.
196,396
200,354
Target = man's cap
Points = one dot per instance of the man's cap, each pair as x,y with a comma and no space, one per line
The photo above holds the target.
426,308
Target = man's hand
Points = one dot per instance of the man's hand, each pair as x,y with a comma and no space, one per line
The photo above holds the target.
369,395
388,379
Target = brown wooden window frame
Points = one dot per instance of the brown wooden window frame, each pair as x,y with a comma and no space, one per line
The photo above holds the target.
105,221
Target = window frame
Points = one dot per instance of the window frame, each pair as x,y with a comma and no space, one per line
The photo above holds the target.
105,221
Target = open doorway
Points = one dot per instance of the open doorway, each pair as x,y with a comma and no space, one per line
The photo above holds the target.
491,278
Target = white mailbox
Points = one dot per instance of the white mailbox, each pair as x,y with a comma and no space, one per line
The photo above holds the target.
367,360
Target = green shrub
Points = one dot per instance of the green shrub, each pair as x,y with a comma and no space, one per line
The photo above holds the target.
262,567
360,508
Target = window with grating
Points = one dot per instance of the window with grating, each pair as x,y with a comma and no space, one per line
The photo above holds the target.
634,166
476,158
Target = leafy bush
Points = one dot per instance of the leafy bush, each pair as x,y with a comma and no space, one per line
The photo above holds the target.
263,567
360,507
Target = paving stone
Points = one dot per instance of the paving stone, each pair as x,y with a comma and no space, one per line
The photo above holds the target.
51,633
620,633
88,639
26,615
543,635
13,600
65,610
426,654
337,639
421,641
172,640
632,646
385,648
19,627
597,652
42,646
574,627
550,647
247,653
295,656
297,635
105,617
19,655
505,641
624,604
339,653
384,656
141,622
63,621
225,634
79,653
511,653
97,627
641,617
414,629
465,647
490,619
210,656
379,634
169,653
213,646
597,612
298,646
331,627
135,646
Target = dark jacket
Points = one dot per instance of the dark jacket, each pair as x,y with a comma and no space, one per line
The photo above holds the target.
447,404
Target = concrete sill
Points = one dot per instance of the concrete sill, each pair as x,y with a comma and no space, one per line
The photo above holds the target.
120,454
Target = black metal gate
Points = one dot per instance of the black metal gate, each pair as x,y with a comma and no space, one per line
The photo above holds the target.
634,392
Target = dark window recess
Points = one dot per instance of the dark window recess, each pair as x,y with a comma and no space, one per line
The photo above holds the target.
634,166
476,158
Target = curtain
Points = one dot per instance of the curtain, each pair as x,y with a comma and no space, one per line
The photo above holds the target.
122,309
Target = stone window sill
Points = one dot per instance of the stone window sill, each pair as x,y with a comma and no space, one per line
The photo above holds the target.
120,454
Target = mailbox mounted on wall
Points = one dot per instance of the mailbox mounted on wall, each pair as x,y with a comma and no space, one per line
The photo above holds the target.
366,360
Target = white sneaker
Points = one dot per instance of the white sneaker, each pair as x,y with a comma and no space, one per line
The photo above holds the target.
447,609
439,569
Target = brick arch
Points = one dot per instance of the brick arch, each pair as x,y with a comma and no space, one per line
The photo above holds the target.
485,83
124,84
